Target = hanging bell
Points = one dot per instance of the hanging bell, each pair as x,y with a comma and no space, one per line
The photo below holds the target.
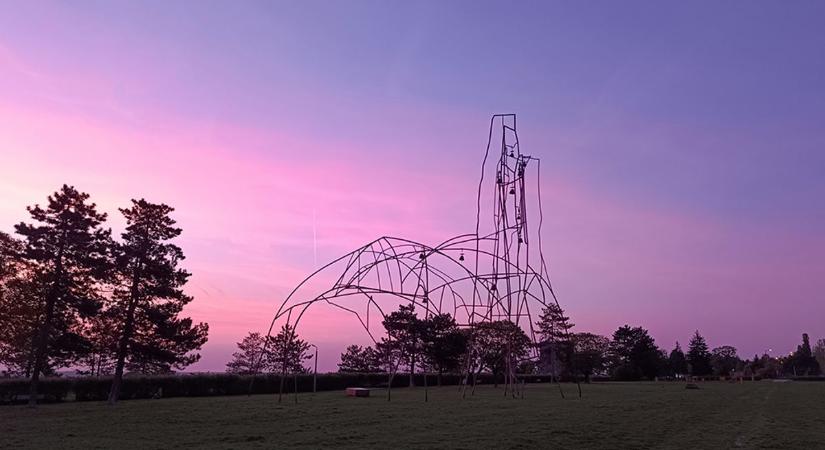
461,256
513,191
421,256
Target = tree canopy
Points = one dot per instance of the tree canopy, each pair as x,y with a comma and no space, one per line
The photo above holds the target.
634,354
698,356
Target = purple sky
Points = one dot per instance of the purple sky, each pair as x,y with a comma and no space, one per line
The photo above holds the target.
683,145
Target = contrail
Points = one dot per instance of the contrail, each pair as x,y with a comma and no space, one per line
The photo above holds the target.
314,241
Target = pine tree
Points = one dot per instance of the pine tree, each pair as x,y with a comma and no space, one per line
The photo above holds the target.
556,348
634,354
698,356
819,354
148,297
288,352
68,250
249,359
803,362
553,325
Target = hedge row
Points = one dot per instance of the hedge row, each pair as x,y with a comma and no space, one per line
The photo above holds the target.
50,390
200,385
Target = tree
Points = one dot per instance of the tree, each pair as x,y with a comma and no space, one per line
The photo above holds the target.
19,309
288,352
249,360
148,297
101,333
698,356
553,325
803,362
766,366
500,345
589,354
819,353
555,347
10,260
10,249
443,344
357,359
404,339
724,360
634,354
20,319
677,362
68,250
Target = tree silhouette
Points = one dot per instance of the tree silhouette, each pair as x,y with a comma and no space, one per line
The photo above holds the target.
724,360
634,354
553,325
403,343
589,354
288,352
677,361
802,361
148,296
444,344
248,359
101,333
69,253
500,344
357,359
698,356
555,347
819,353
19,309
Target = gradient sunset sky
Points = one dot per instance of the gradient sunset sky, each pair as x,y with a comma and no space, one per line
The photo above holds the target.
683,146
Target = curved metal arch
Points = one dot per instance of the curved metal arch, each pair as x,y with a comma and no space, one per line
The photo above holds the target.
400,268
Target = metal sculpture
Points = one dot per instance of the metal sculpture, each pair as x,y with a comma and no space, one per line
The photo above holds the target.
477,278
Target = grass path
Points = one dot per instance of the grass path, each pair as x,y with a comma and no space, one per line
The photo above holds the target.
610,415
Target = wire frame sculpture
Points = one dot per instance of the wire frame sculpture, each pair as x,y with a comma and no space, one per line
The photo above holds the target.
479,278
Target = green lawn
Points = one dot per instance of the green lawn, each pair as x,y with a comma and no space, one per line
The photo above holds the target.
610,415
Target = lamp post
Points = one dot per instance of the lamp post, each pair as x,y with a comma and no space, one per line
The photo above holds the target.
315,373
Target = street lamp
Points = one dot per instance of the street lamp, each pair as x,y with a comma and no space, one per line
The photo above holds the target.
315,373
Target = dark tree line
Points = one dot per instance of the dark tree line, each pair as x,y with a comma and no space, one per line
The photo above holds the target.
283,353
436,344
72,296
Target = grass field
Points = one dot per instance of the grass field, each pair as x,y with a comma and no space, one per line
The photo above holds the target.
610,415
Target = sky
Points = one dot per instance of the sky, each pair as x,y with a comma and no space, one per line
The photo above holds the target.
682,146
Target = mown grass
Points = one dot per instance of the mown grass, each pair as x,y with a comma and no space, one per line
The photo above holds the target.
609,415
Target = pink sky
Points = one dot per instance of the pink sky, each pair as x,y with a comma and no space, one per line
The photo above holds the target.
654,218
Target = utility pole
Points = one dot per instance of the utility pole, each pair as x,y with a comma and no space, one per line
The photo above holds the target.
315,373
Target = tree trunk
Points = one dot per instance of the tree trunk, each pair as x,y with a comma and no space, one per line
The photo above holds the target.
42,342
41,348
123,345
